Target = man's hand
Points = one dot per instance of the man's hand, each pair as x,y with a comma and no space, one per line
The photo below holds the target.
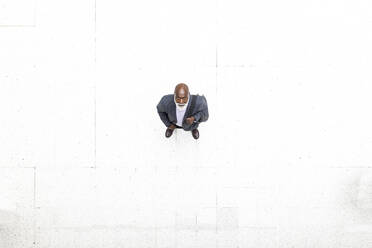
190,120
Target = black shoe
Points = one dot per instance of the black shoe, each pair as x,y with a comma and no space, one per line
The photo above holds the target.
195,133
168,132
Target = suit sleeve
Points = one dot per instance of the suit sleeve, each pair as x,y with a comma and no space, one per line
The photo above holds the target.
202,115
163,115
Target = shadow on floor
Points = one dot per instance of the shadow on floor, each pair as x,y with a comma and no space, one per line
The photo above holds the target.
9,229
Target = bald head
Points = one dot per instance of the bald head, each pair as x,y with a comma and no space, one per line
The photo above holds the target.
181,94
181,88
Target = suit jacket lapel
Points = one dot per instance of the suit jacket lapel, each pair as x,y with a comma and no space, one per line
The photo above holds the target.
187,114
173,112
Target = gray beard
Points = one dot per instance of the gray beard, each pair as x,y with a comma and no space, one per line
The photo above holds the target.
181,107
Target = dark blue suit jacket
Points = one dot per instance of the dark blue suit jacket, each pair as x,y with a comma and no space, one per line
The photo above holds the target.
167,111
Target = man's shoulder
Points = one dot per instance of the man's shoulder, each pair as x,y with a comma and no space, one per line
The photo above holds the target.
167,98
200,99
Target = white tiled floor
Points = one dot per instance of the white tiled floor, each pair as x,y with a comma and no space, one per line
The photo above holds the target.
283,161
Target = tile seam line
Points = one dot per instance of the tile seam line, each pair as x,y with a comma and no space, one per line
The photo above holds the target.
95,84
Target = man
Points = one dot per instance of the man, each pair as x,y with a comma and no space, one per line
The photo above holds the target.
182,110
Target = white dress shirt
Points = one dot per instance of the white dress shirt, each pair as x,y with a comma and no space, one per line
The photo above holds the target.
181,112
180,115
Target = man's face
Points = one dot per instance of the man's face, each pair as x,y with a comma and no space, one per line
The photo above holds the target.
181,97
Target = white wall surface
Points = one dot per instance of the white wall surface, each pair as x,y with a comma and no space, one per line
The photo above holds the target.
283,161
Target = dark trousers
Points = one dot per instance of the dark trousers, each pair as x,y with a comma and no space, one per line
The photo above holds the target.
194,127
